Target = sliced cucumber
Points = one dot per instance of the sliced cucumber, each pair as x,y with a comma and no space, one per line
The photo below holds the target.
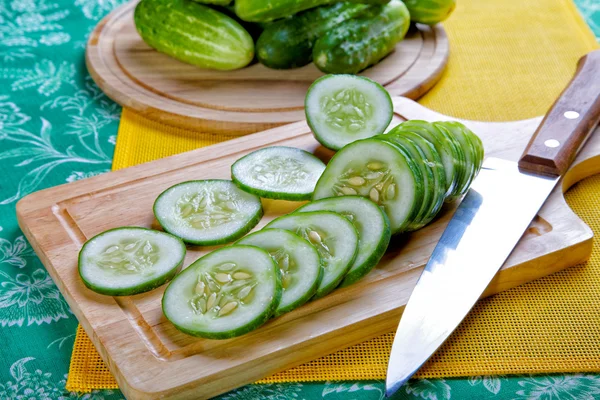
298,261
207,212
343,108
447,146
434,160
334,237
129,260
278,172
224,294
418,156
380,171
371,223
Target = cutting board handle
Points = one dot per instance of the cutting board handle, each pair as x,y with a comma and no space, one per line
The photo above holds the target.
568,123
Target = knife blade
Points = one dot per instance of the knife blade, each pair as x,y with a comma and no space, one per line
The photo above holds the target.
504,198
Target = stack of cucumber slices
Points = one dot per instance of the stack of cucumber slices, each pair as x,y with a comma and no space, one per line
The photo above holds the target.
373,187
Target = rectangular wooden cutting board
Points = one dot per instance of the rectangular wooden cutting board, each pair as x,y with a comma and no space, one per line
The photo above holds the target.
151,359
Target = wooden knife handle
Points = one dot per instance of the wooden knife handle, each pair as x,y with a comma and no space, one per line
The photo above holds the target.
568,123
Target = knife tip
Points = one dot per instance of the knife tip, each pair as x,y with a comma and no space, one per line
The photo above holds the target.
392,387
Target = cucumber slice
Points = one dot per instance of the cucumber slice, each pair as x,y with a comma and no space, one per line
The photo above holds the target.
129,260
208,212
447,146
455,129
224,294
334,237
278,172
377,170
298,261
371,223
434,160
343,108
418,156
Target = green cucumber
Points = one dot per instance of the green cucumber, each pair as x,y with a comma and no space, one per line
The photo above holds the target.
224,294
194,33
288,43
371,223
270,10
298,261
378,170
341,109
207,212
278,172
359,43
430,12
129,260
429,189
434,160
222,3
334,237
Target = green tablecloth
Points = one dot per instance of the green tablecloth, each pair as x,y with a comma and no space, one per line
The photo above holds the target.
56,126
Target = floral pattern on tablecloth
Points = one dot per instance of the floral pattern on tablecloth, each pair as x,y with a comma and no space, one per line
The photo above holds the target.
56,126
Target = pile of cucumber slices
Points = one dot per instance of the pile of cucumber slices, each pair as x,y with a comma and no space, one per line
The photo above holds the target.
373,187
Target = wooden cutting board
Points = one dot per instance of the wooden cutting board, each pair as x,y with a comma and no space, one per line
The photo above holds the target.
151,359
242,101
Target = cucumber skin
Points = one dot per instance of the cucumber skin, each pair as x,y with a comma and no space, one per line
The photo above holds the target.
270,10
430,12
214,2
233,237
260,320
146,287
358,43
288,43
162,24
370,263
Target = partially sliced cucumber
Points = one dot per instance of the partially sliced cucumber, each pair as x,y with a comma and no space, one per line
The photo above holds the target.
434,160
371,223
377,170
129,260
278,172
334,237
418,156
224,294
207,212
343,108
298,261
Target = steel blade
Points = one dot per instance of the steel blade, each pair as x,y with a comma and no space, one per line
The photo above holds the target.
479,238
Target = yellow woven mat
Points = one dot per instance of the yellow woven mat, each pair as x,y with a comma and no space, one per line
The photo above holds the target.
510,59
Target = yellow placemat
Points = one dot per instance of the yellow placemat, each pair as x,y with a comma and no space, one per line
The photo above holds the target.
510,59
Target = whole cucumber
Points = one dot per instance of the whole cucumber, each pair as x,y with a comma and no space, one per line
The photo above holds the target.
430,12
194,33
270,10
288,43
359,43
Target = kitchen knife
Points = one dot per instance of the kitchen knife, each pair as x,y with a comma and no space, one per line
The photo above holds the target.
504,198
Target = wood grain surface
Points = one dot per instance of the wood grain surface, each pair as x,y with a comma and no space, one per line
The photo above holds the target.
236,102
151,359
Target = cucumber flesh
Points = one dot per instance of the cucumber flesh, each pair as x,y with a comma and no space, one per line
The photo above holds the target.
470,156
207,212
377,170
129,260
341,109
334,237
299,264
224,294
371,223
278,172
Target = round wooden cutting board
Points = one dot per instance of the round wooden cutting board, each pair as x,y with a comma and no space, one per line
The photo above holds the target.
242,101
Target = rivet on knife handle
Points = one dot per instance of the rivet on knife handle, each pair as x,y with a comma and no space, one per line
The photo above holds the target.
561,134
